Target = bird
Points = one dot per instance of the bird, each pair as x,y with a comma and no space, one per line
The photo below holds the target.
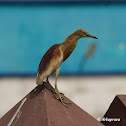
55,56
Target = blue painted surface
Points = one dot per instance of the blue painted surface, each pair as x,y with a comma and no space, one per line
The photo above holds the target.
59,1
27,32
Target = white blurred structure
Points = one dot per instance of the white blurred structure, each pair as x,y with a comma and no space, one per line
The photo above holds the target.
93,94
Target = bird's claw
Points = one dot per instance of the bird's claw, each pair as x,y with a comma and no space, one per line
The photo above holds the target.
56,92
61,93
60,98
62,101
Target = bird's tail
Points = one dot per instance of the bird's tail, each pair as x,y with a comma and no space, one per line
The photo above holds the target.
39,79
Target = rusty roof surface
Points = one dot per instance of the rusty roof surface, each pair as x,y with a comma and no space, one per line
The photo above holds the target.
117,110
40,108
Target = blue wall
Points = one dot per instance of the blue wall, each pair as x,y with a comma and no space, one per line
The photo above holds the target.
27,31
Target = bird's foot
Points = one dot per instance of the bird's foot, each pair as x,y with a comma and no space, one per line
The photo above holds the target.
60,98
54,91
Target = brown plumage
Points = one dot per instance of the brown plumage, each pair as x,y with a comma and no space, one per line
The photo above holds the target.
48,56
57,54
49,63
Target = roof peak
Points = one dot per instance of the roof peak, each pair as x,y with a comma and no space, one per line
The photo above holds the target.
40,108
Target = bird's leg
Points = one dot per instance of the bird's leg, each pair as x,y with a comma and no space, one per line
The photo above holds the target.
47,80
60,98
50,86
52,89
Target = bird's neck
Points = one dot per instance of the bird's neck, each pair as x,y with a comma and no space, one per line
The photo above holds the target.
69,45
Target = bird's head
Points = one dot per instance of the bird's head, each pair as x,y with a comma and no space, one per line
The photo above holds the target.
83,33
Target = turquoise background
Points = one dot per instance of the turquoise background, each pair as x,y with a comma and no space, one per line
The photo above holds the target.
28,31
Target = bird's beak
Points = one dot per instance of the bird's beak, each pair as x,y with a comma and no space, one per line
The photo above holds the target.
89,35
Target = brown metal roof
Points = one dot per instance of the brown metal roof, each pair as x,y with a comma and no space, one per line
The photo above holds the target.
117,110
40,108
